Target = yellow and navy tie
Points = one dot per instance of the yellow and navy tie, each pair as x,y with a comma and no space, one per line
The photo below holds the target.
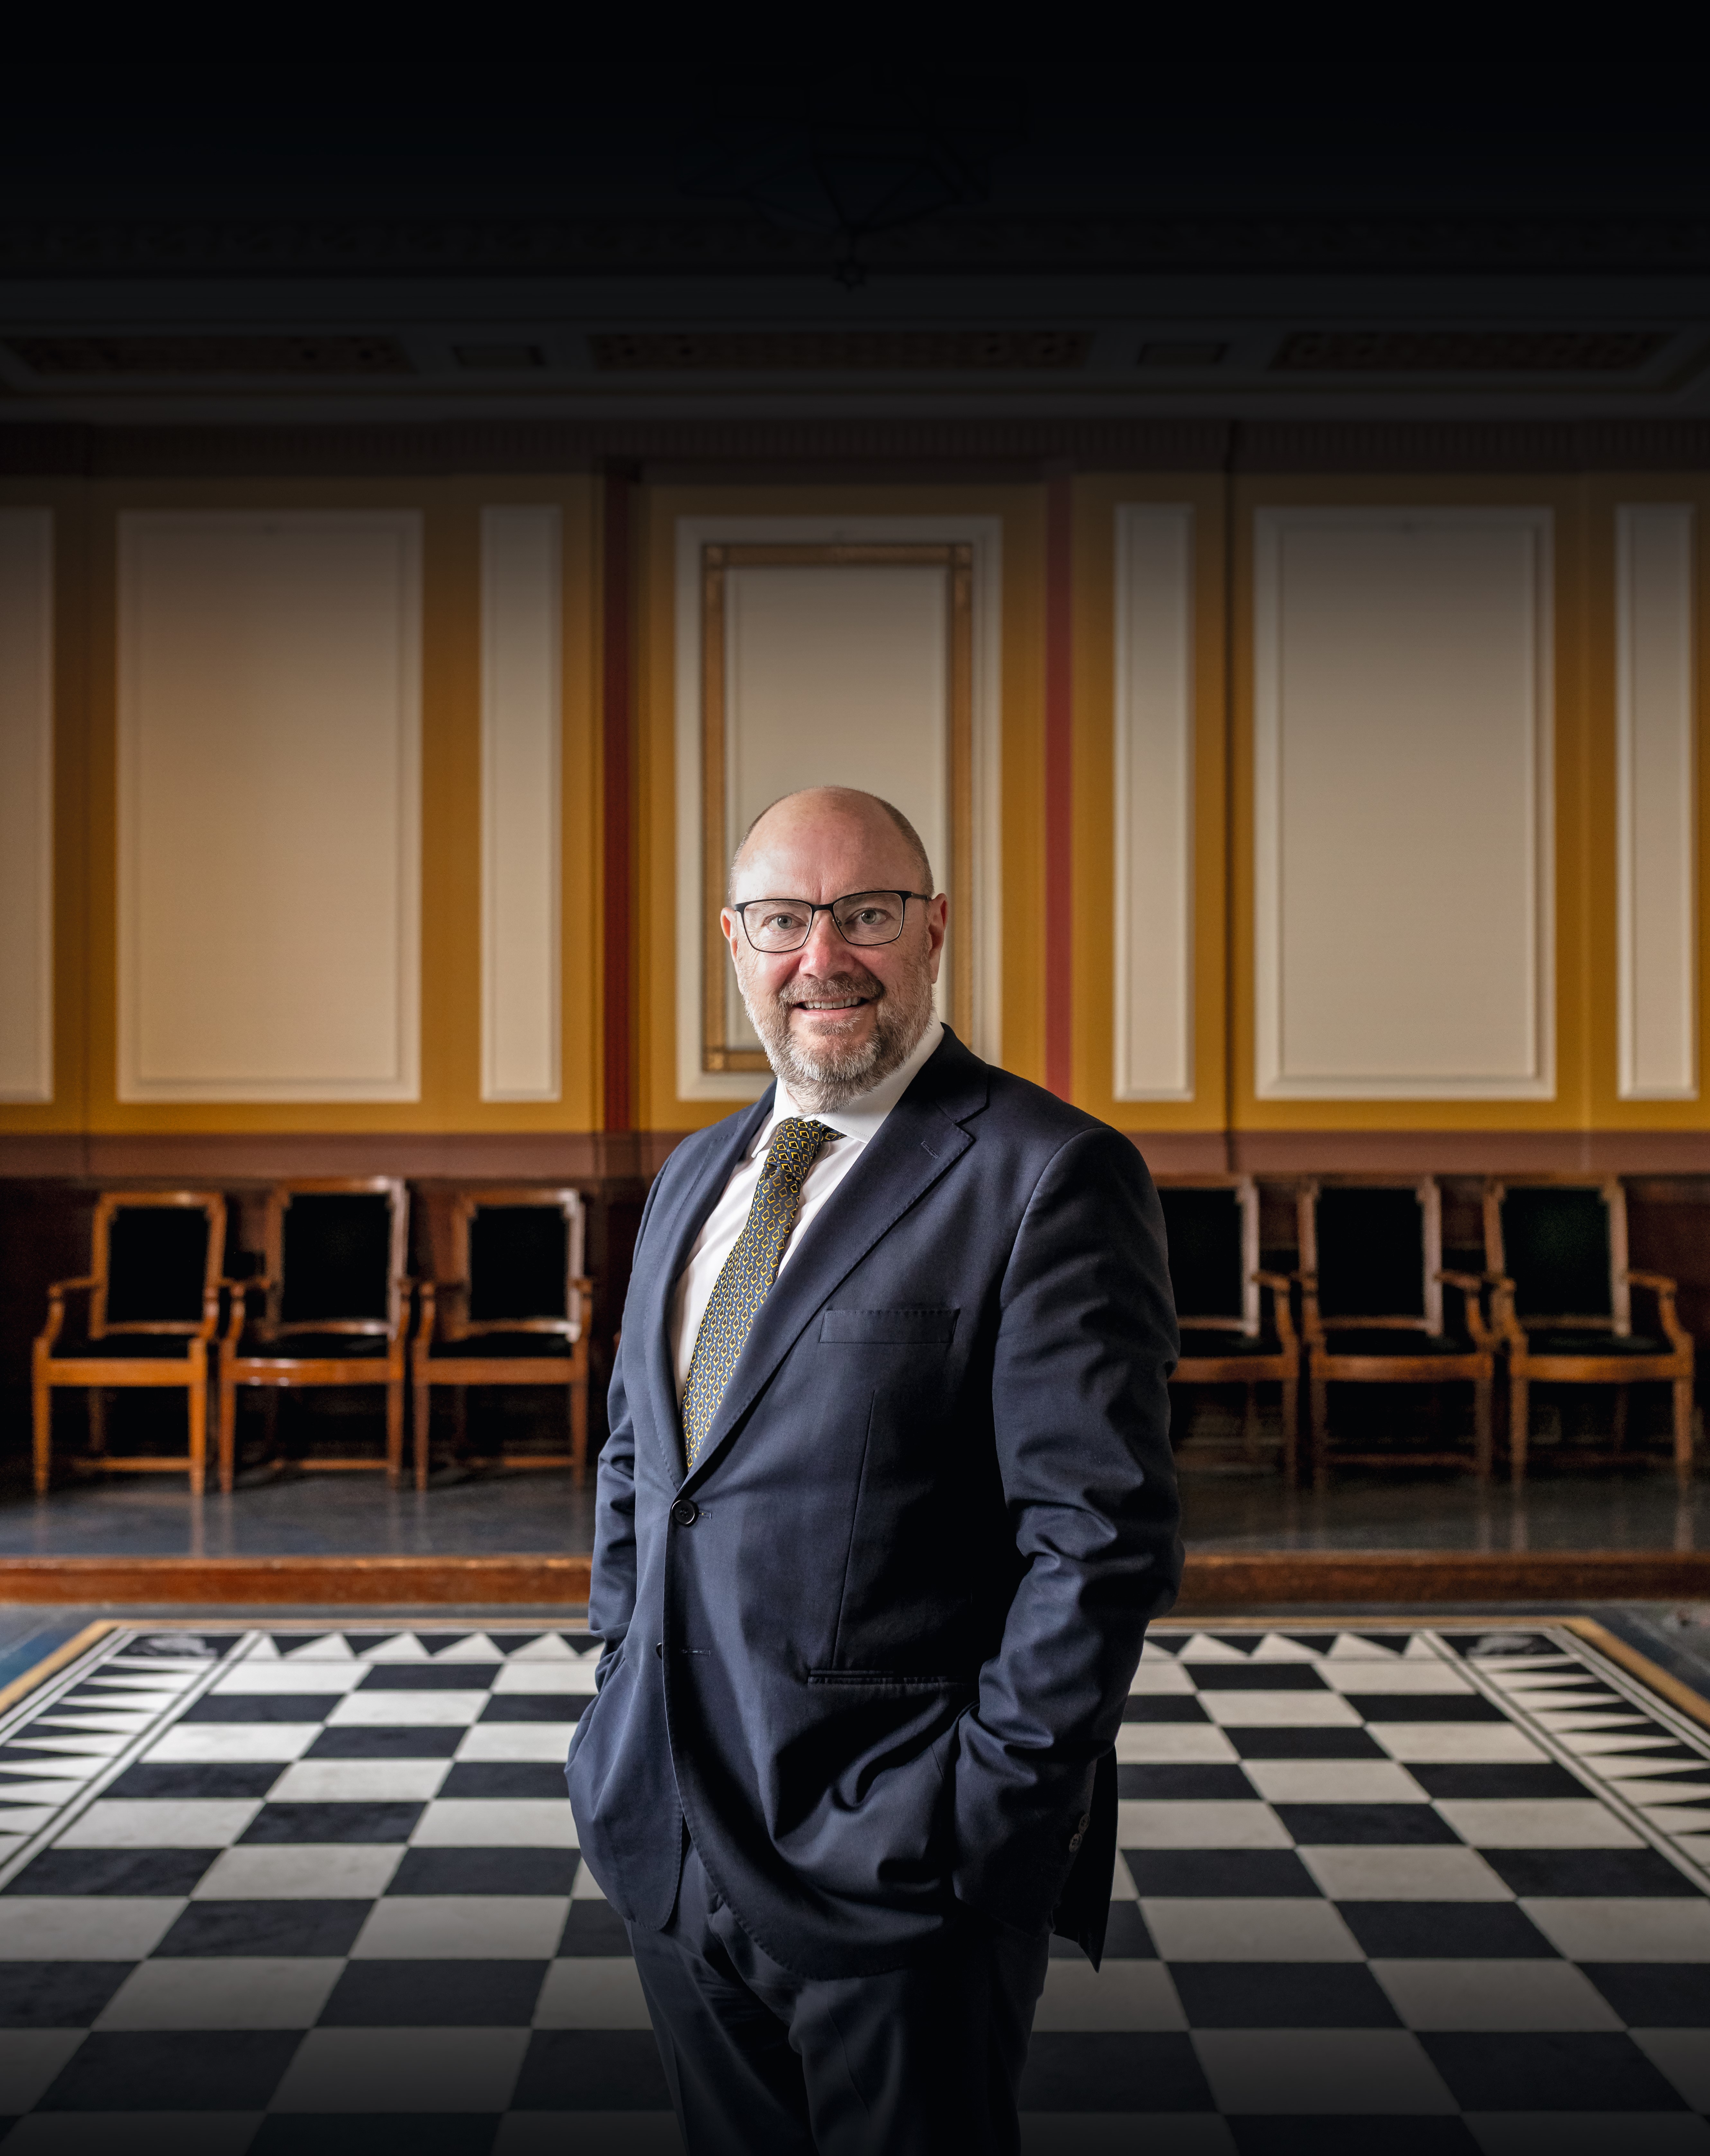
745,1280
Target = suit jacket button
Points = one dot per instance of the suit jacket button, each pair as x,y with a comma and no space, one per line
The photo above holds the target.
685,1511
1075,1842
1083,1822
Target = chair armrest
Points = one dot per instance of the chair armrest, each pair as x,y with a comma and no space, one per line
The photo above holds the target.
57,1292
1658,1283
1282,1287
1665,1290
238,1292
1312,1323
1471,1286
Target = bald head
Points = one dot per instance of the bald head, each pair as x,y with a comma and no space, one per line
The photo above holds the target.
843,822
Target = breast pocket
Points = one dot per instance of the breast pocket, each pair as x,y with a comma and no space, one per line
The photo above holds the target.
916,1325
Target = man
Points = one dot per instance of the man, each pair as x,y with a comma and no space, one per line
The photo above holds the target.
886,1505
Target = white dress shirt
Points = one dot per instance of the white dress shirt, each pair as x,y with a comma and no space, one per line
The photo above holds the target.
857,1124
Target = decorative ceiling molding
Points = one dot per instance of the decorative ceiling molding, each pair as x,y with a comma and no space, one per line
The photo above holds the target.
839,351
179,354
954,239
1466,352
986,448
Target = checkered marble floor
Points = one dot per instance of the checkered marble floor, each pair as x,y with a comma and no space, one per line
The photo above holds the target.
1387,1887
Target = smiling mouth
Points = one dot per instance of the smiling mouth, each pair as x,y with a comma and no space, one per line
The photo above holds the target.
852,1003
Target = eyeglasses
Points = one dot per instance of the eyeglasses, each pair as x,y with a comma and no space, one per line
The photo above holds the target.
862,917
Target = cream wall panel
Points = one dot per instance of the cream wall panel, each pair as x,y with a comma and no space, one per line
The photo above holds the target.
836,677
270,809
1154,803
26,804
520,720
1655,801
1403,808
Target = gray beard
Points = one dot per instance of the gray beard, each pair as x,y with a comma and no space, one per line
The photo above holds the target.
830,1079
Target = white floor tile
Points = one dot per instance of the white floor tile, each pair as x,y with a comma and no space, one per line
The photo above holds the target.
83,1927
304,1871
479,1823
1123,1994
588,2133
30,2060
1592,1927
537,1678
1280,1710
1211,1823
1315,2070
1160,1677
278,1679
1333,1782
547,1742
462,1928
1174,1743
160,1823
134,2133
588,1888
192,1743
1213,1927
1122,2134
1683,2056
368,2070
1588,2132
1383,1871
1549,1823
1356,1677
1456,1743
359,1781
228,1992
407,1710
1494,1994
591,1991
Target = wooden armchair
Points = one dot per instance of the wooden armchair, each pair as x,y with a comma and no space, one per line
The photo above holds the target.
1213,1227
332,1292
1562,1300
513,1311
1372,1310
153,1290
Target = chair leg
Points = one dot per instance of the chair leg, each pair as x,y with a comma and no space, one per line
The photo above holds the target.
198,1401
227,1426
423,1414
1618,1437
394,1431
42,1406
1320,1393
1250,1425
579,1428
1683,1427
1519,1426
1482,1390
98,1420
1290,1429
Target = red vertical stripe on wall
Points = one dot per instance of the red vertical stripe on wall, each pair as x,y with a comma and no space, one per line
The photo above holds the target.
615,644
1059,773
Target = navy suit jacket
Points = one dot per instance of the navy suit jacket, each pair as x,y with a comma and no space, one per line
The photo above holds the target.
875,1649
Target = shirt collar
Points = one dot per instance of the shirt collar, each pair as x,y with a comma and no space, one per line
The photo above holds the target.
860,1117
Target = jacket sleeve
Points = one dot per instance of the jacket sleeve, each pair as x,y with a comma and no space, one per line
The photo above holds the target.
1086,1341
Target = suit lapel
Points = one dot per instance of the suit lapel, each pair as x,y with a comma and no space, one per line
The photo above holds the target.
918,1140
700,1193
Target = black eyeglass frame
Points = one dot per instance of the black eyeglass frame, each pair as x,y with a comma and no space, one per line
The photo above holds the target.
784,951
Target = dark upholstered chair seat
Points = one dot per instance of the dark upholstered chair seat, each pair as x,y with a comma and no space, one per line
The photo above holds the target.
125,1347
314,1348
1381,1340
507,1345
1209,1344
1567,1340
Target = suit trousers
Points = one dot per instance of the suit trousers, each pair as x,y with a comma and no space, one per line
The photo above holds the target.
913,2062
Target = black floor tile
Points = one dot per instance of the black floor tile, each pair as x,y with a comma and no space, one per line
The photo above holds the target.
1282,1995
1164,1707
1613,1871
199,2070
265,1928
591,2069
262,1707
332,1822
1445,1931
1074,2072
57,1995
1305,1744
1256,1676
1185,1784
1411,1825
594,1927
504,1778
1555,2072
1428,1707
1546,1780
1351,2135
1650,1994
376,2134
532,1707
1245,1872
434,1994
167,1871
486,1871
1127,1937
422,1743
430,1677
242,1780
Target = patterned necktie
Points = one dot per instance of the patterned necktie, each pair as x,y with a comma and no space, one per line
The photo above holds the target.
745,1280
